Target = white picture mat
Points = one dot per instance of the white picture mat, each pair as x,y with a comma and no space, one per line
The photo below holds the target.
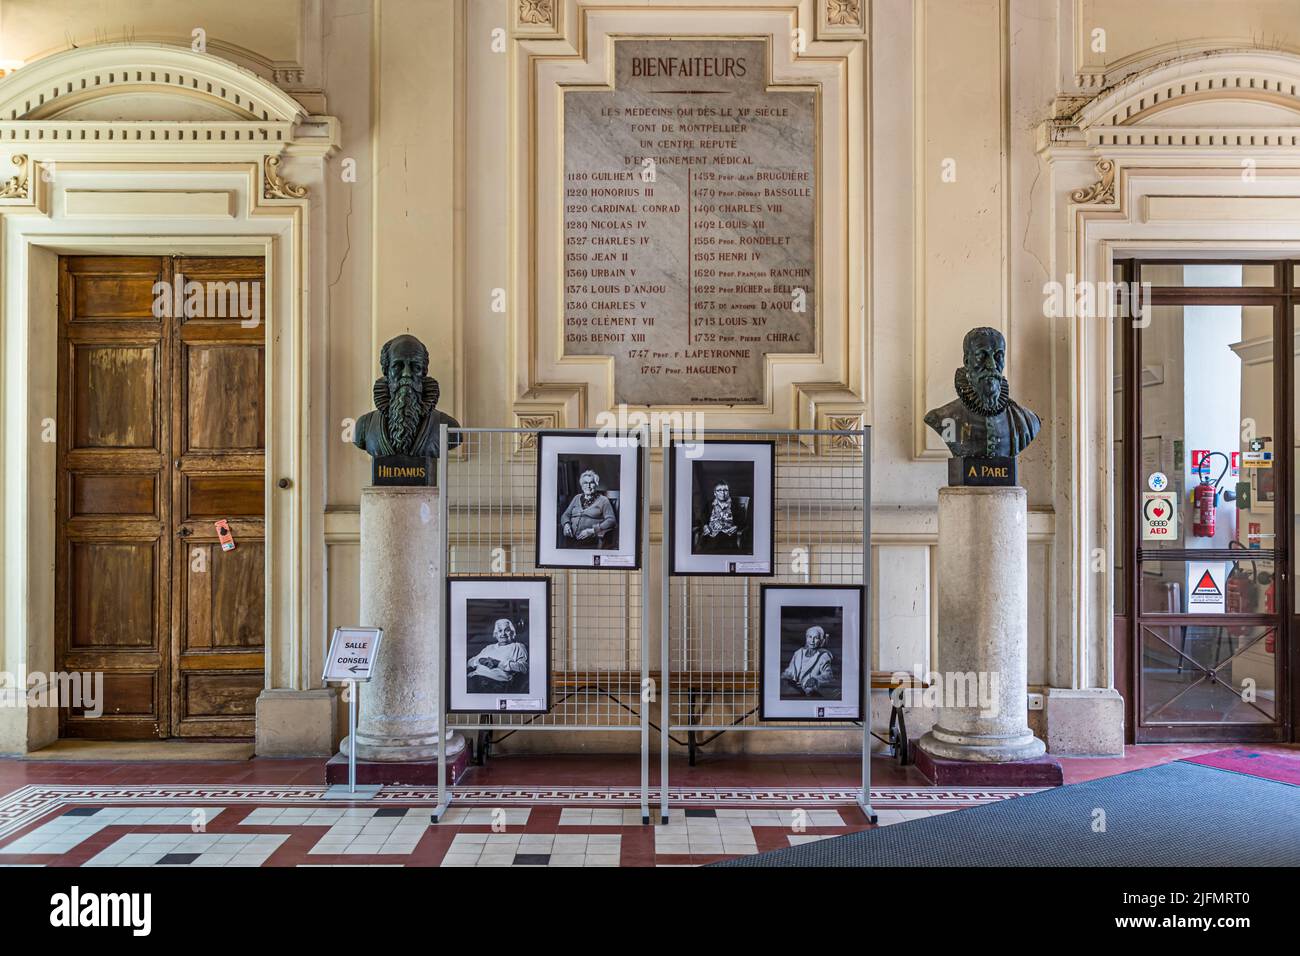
850,601
550,447
760,517
538,637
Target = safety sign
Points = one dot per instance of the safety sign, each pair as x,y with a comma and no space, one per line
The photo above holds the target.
1159,516
1205,586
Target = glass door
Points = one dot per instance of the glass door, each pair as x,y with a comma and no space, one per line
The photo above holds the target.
1208,442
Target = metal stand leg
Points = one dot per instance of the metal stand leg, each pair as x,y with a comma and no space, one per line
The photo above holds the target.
352,791
864,800
665,630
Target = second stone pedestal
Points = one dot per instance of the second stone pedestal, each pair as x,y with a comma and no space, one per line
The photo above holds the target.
398,719
983,631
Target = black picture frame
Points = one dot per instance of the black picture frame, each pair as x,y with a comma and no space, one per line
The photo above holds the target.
506,584
859,669
675,566
546,556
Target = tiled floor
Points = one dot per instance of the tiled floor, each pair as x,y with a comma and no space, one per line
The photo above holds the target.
509,813
195,849
66,832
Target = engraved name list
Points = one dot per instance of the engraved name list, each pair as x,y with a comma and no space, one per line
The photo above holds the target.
690,221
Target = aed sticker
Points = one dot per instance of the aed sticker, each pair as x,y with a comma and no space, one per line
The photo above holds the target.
1158,481
1205,586
1159,516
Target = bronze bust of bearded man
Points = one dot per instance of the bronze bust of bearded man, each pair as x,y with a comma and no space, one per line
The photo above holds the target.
983,421
405,420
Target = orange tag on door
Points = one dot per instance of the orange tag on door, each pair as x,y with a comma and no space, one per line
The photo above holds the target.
224,536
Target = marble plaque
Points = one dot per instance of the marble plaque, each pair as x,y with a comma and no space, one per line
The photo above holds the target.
690,193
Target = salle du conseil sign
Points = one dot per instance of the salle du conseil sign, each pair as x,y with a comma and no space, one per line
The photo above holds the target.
352,653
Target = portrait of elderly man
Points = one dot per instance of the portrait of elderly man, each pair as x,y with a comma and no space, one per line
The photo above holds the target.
983,421
405,420
589,518
502,666
811,671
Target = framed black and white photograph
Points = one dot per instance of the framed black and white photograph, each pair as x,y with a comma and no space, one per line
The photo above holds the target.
498,645
588,501
722,498
811,652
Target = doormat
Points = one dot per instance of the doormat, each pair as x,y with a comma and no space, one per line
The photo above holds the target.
1253,763
142,750
1176,814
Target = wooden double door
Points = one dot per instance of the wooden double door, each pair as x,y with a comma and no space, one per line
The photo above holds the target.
160,435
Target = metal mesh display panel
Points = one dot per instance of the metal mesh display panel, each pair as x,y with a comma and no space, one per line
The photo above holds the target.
708,654
599,656
711,625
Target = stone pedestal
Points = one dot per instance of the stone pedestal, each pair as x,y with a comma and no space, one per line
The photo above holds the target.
398,718
983,627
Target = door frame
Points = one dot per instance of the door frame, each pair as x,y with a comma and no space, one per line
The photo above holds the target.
1284,296
30,247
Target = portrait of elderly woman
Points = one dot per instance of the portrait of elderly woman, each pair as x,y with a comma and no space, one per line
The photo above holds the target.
501,666
588,494
588,516
722,495
498,644
812,668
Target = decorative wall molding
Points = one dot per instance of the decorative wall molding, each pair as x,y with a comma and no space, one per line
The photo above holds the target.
540,421
844,13
798,386
1140,112
52,105
195,123
849,425
838,19
1169,148
1102,191
276,186
300,72
15,187
537,18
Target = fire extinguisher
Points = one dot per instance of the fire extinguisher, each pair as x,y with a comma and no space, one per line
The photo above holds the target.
1240,588
1205,497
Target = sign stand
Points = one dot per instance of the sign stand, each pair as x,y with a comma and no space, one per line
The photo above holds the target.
351,655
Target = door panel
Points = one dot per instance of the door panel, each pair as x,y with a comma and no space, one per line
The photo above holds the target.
1207,385
217,416
228,381
116,396
112,573
161,434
